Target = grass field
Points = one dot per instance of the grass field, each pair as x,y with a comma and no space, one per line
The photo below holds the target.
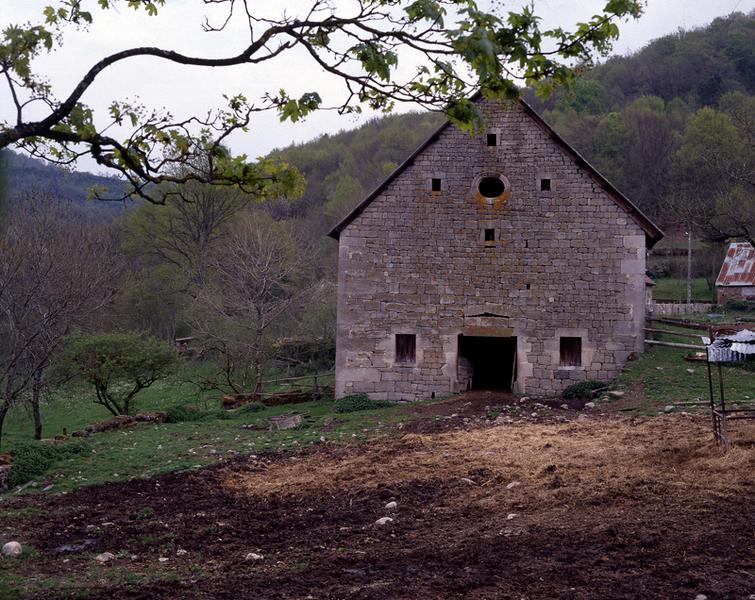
658,378
669,288
145,449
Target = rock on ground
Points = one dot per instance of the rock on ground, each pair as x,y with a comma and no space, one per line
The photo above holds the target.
12,549
383,521
254,556
105,557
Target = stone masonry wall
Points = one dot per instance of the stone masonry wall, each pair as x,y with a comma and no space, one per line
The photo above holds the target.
740,292
564,262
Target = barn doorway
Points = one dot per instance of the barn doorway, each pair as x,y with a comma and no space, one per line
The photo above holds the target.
487,363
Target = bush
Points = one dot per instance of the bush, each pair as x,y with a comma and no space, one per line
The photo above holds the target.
118,364
659,270
32,460
737,304
358,402
582,389
186,413
250,407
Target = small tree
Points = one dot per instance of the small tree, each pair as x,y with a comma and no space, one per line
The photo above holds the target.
259,274
119,365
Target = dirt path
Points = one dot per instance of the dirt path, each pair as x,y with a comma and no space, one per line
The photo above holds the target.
596,508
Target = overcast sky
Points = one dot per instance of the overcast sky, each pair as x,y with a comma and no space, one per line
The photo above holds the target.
188,90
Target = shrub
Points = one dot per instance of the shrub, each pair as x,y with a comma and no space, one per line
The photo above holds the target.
186,413
737,304
582,389
250,407
32,460
358,402
118,364
659,271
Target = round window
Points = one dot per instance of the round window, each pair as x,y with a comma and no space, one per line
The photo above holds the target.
491,187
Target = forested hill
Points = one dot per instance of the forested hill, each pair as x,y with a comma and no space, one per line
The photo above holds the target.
630,116
23,175
637,118
341,169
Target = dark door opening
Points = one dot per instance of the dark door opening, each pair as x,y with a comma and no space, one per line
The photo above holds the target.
487,363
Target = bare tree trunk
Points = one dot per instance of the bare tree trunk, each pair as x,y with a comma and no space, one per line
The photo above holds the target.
3,411
7,399
689,264
36,387
258,357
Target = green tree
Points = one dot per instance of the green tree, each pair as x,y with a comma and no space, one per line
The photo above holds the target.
460,46
716,167
119,365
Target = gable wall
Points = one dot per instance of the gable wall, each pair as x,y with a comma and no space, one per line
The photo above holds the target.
415,261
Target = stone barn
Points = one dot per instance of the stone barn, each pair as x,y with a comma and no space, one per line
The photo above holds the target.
500,260
736,280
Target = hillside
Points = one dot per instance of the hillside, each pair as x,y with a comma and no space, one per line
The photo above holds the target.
23,174
628,116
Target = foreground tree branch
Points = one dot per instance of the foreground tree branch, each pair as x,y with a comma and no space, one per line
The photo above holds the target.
456,49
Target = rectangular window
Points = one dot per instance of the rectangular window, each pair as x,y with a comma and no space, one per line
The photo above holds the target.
545,185
436,184
406,348
571,351
492,139
490,235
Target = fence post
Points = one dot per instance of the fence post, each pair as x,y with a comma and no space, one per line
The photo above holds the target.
314,389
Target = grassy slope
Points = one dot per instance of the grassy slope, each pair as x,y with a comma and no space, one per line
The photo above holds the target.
146,449
660,377
676,289
663,376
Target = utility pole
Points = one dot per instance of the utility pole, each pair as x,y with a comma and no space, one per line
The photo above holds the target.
689,264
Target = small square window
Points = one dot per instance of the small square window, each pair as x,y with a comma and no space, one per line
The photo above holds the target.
436,185
492,139
528,286
490,235
571,351
545,185
406,347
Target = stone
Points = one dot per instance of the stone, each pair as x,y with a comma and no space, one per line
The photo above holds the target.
565,406
590,405
391,505
669,408
384,521
690,370
76,546
616,393
511,516
468,481
701,597
104,558
12,549
163,559
254,556
512,485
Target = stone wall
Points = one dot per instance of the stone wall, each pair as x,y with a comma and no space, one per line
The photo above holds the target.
660,309
563,262
737,292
